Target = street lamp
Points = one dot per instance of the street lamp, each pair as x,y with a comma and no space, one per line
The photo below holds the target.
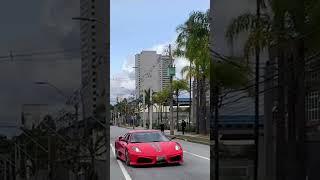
53,86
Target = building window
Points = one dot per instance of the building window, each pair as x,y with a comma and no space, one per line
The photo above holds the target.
312,106
93,26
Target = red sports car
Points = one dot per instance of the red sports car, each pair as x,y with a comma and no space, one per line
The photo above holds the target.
148,147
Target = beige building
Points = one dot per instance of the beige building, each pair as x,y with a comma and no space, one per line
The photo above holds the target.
151,71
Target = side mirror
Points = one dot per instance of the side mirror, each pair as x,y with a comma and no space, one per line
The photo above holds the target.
120,138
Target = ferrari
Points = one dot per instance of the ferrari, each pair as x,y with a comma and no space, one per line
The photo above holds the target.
147,147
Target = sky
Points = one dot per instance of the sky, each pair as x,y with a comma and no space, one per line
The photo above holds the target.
40,26
143,25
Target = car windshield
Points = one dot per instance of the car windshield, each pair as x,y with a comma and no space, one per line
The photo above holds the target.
143,137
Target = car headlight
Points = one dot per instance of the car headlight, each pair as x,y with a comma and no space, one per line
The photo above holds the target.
136,149
177,147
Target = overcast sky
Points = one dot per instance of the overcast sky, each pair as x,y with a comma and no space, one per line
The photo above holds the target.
37,26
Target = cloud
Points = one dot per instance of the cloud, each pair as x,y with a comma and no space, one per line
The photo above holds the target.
180,63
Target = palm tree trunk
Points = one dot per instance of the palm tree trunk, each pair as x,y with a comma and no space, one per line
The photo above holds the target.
198,107
149,115
280,128
161,106
202,122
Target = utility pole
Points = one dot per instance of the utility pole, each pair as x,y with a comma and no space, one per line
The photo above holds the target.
257,78
151,109
171,74
49,157
5,169
15,160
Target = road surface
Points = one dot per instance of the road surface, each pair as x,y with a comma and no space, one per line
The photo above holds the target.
196,164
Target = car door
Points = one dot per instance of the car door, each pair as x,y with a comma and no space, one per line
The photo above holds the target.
123,144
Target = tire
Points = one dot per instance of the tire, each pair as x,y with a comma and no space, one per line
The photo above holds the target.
117,154
127,159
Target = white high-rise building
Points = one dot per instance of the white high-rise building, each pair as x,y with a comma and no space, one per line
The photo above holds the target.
151,72
94,56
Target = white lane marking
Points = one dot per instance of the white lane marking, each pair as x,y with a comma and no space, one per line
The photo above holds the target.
123,169
197,155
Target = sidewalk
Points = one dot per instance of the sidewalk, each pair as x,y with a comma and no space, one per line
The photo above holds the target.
191,137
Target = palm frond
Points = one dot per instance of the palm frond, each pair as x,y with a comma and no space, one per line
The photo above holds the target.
242,23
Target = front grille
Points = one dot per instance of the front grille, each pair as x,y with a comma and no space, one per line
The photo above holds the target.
175,158
144,160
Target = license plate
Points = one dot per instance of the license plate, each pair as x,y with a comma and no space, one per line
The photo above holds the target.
160,158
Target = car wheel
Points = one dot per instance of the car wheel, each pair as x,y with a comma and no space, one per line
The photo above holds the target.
127,158
117,154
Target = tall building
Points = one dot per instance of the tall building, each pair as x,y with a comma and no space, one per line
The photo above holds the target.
93,57
151,71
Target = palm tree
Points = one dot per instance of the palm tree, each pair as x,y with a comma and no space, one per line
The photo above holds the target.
192,43
178,86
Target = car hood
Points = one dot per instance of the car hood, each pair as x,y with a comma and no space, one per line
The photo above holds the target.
152,148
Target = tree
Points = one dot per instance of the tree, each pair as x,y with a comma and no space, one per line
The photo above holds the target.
161,98
192,43
178,86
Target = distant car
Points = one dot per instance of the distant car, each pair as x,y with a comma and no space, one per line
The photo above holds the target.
148,147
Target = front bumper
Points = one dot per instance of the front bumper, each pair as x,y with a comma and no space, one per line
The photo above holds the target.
142,160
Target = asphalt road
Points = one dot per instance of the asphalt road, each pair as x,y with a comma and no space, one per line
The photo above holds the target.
196,164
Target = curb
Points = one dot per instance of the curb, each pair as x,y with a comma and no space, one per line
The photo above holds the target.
192,139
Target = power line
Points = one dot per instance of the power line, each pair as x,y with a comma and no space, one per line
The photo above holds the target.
39,53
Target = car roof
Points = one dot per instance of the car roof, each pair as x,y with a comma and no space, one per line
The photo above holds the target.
141,131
